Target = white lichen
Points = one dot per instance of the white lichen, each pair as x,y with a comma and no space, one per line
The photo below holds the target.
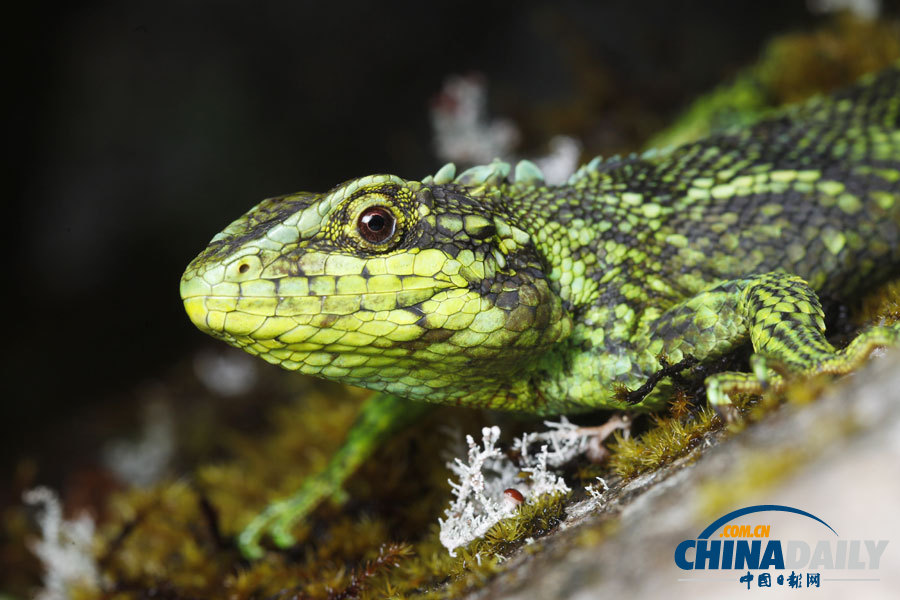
864,9
479,500
563,442
226,373
597,490
477,505
561,162
64,548
463,133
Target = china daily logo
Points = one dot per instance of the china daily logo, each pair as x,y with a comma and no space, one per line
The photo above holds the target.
765,560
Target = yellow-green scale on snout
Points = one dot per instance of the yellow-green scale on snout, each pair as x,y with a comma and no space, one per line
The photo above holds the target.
494,289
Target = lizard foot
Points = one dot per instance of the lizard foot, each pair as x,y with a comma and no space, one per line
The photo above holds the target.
279,517
768,374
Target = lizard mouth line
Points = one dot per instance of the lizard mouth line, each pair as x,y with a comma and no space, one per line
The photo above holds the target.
286,296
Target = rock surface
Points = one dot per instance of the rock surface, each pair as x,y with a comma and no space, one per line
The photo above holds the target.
837,458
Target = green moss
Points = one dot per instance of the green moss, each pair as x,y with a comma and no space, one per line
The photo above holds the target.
670,438
177,536
531,521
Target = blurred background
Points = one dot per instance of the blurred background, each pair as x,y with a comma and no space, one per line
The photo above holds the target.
138,130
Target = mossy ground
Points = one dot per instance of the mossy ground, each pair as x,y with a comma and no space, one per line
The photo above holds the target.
175,538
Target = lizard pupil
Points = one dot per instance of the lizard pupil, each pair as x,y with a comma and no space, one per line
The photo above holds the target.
376,224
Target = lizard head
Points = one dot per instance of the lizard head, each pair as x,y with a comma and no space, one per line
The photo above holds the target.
420,289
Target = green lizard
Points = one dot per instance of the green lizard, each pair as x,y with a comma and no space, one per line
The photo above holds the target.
493,289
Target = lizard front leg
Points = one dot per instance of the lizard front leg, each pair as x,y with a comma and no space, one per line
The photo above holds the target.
380,418
782,318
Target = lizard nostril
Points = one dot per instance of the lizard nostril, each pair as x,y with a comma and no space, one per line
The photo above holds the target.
243,268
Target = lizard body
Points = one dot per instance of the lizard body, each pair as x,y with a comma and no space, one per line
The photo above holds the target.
493,289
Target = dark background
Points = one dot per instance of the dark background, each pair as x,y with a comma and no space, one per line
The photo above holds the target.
140,129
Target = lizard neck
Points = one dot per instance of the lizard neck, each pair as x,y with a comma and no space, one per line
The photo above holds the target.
589,234
599,242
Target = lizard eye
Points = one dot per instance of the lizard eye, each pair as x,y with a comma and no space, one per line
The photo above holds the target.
376,224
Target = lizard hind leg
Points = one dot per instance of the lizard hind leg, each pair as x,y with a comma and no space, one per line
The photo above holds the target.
787,331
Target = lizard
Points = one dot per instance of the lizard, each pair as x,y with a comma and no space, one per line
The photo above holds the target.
491,288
